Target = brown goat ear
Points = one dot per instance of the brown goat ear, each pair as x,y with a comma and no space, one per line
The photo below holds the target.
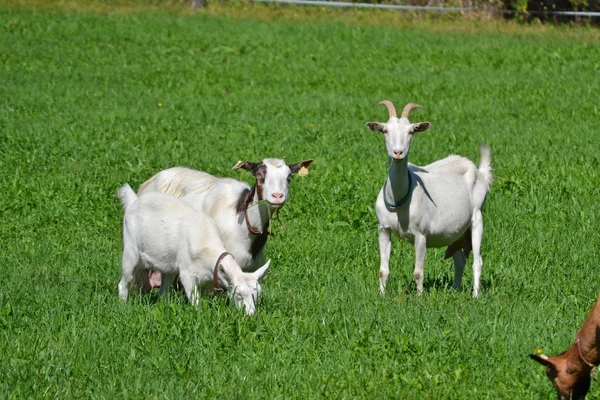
542,359
421,126
301,165
375,126
247,165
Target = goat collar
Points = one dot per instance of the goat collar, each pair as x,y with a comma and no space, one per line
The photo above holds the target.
402,200
216,286
248,201
586,362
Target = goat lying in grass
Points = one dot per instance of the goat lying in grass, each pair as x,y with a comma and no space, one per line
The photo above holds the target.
570,371
241,213
432,206
161,232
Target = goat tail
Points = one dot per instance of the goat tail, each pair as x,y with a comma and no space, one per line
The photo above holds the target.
485,163
127,196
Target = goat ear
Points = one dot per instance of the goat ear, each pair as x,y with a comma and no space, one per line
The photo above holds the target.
542,359
376,126
262,271
247,165
298,166
421,126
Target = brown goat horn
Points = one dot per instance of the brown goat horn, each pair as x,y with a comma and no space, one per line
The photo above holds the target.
408,108
390,107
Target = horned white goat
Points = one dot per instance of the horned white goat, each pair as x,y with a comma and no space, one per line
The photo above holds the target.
241,213
432,206
161,232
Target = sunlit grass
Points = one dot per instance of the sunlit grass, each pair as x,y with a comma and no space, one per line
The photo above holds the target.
89,101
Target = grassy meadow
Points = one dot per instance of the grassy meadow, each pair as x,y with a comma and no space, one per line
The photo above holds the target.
91,100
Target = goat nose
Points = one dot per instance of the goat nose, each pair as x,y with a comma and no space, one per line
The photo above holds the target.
278,195
398,153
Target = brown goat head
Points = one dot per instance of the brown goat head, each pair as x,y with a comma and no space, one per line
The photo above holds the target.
569,382
570,371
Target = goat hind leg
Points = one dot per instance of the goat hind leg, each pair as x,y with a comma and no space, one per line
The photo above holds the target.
459,266
476,236
129,261
165,284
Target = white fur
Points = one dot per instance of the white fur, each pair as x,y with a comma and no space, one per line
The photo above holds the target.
446,200
218,197
161,232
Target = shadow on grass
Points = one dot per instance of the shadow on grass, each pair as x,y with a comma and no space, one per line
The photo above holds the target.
207,300
445,283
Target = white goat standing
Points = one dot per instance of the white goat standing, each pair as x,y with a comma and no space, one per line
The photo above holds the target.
161,232
432,206
241,213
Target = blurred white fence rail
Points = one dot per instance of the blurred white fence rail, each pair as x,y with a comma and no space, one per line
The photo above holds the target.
590,14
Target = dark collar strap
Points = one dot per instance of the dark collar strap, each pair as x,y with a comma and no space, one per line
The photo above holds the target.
216,286
589,364
252,229
248,201
402,200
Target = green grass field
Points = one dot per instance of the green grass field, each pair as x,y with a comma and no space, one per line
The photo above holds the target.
91,100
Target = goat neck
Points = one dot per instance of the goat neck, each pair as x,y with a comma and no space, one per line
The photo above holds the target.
587,350
577,362
398,185
587,340
257,215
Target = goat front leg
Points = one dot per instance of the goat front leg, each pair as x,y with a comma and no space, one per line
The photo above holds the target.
420,254
189,287
385,247
476,235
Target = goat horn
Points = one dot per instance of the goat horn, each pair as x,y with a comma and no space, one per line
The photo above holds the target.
390,107
408,108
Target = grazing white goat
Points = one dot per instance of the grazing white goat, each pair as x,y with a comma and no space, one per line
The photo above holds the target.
161,232
432,206
242,213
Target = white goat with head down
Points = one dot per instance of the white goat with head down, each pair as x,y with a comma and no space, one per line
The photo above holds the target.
432,206
241,213
163,233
